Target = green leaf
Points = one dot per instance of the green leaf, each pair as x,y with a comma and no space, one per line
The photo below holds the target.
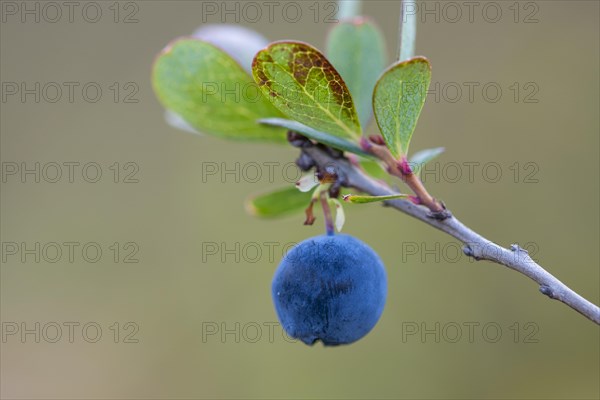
303,85
278,203
356,48
321,137
351,198
397,102
211,92
422,157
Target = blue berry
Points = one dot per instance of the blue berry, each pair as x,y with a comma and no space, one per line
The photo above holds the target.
329,288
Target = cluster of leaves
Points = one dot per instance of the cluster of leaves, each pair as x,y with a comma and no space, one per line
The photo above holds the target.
209,83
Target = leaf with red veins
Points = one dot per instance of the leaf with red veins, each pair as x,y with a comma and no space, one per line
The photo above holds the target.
303,85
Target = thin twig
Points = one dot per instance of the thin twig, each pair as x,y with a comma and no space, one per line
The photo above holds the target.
348,9
407,30
402,170
475,245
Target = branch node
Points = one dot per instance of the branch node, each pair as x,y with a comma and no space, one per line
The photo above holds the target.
547,290
440,215
517,248
521,254
470,253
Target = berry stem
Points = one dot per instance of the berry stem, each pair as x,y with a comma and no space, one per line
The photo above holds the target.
327,214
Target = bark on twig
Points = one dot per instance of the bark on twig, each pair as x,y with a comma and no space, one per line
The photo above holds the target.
475,245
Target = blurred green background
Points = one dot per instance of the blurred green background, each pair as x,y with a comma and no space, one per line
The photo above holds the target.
180,297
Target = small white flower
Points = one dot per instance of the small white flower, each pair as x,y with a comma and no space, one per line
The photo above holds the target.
307,182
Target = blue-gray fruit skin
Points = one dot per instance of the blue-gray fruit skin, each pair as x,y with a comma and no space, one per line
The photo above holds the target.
329,288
